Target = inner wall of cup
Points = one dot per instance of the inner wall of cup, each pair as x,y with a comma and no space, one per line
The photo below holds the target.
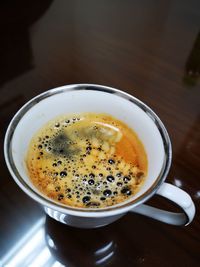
90,101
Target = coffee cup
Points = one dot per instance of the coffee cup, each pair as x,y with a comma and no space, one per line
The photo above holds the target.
80,98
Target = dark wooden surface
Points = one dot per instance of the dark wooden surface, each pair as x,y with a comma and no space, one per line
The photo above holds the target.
148,48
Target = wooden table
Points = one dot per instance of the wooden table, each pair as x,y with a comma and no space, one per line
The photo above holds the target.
150,49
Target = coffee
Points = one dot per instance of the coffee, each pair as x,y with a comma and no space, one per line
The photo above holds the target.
87,160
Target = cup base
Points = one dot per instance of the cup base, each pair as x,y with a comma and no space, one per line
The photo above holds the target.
81,222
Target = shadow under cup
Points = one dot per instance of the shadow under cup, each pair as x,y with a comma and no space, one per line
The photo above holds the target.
88,98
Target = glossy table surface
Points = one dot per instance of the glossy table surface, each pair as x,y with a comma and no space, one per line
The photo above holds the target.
150,49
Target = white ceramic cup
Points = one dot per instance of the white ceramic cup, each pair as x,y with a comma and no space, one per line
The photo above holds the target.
96,98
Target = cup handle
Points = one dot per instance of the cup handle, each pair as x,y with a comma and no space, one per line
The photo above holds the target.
176,195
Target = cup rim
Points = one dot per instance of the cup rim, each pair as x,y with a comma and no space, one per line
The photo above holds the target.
102,212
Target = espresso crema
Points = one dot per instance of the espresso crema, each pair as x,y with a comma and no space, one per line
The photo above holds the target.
87,160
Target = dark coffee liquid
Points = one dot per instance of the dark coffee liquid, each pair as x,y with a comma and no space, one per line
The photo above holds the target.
87,160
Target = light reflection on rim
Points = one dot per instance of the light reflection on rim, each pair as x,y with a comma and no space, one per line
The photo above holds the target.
63,208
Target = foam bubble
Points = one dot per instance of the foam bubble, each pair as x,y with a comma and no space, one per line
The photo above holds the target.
86,199
110,178
63,174
91,182
126,191
107,192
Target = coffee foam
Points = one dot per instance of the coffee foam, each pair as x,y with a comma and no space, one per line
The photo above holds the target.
87,160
